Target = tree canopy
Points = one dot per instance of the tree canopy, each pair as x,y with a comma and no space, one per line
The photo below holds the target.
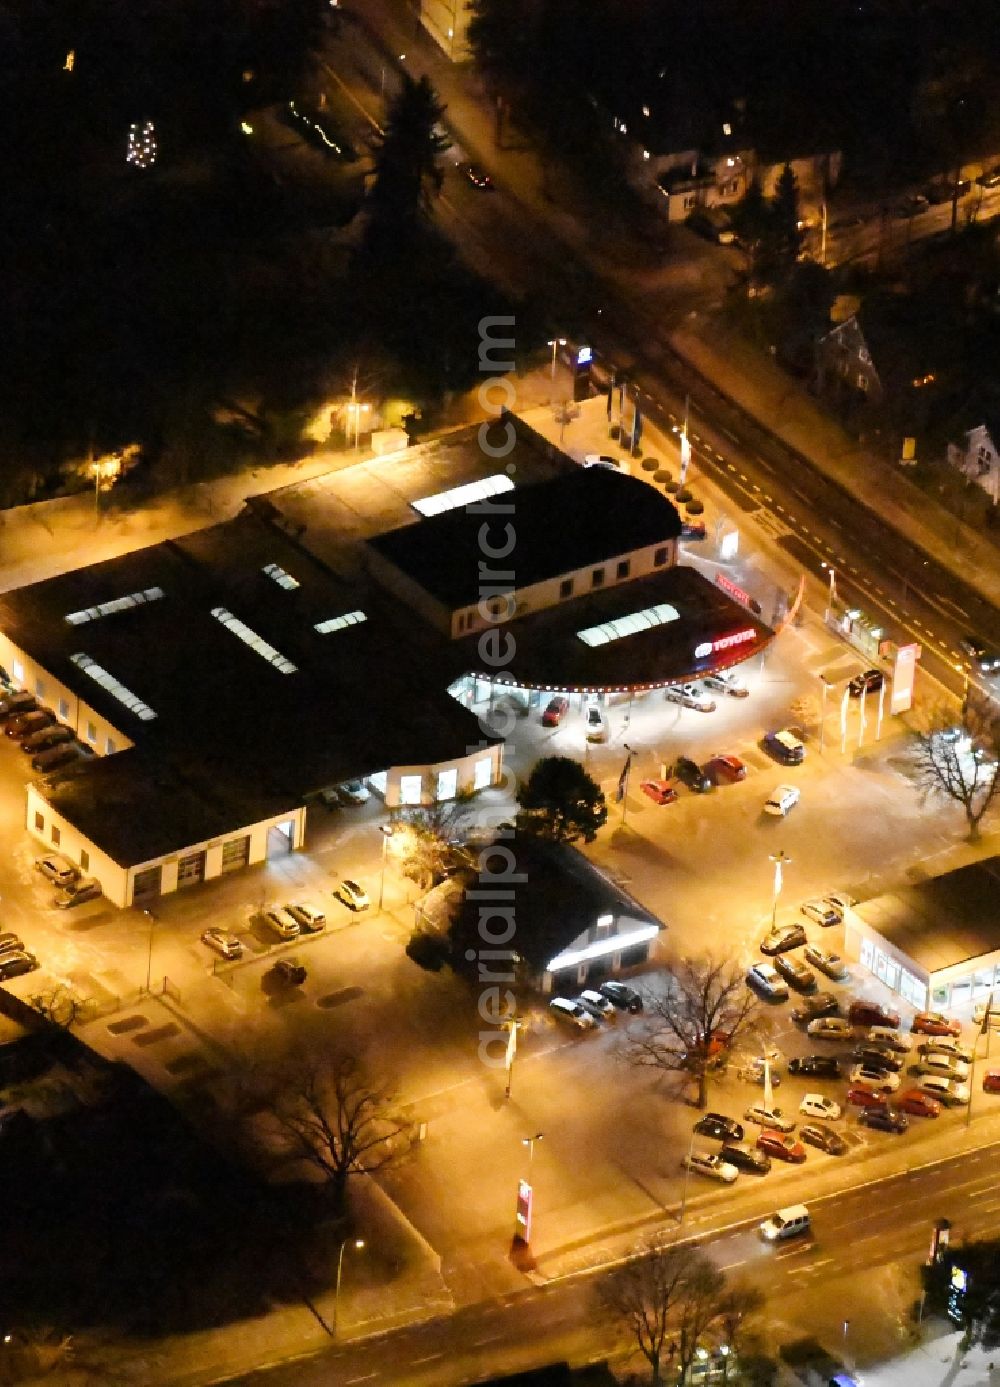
561,801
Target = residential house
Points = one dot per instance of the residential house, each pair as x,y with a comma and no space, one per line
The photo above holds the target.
978,457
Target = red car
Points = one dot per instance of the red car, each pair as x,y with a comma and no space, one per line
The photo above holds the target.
785,1148
555,711
991,1081
659,791
921,1104
726,768
866,1098
933,1023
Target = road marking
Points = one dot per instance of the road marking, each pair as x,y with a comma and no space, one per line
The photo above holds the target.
430,1358
366,1378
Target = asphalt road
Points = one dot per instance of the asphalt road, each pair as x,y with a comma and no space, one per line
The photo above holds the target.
876,1224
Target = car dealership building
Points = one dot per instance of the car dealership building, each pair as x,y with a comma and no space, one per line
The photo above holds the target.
347,627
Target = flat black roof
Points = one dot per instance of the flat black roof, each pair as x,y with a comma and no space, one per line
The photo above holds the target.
944,921
583,518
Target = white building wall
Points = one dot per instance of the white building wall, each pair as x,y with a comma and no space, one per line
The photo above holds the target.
466,767
103,738
40,821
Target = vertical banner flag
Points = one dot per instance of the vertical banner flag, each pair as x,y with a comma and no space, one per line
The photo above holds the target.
636,427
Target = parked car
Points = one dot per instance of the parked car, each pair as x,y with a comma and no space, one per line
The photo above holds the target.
862,1013
603,460
991,1081
711,1165
309,918
823,1138
918,1103
865,1097
20,702
772,1118
878,1080
786,1148
784,937
753,1071
763,978
935,1023
24,724
278,922
54,757
77,892
784,746
782,800
945,1045
288,970
822,912
945,1065
223,943
912,206
692,775
353,792
659,791
726,769
722,681
840,900
689,696
979,1016
878,1057
949,1092
572,1014
597,726
819,1004
598,1006
57,869
817,1105
745,1157
868,682
889,1039
555,711
11,942
944,189
815,1066
829,963
885,1119
989,178
52,735
795,972
15,965
623,996
718,1127
831,1028
352,895
693,529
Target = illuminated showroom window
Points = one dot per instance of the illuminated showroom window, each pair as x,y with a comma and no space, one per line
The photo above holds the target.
40,687
17,669
338,623
621,626
465,495
117,604
283,579
447,786
378,780
64,708
116,689
410,787
251,638
482,773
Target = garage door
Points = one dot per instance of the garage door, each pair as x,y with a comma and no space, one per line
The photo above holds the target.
235,854
191,869
146,884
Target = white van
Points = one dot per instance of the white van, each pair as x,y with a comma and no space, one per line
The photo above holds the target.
786,1223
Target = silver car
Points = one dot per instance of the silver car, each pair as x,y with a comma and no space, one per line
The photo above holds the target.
309,918
711,1165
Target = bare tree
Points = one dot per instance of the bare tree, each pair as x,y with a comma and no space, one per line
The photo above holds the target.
697,1312
708,1007
737,1305
660,1297
961,764
427,837
321,1112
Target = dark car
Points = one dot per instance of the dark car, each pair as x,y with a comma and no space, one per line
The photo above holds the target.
783,938
555,711
816,1066
796,974
290,971
22,702
745,1157
885,1119
78,893
944,189
989,178
985,659
45,737
55,756
24,724
692,775
823,1138
718,1127
784,746
866,683
624,997
878,1057
819,1004
11,943
14,965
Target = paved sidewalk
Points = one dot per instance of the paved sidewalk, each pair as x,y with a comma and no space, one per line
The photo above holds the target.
938,1362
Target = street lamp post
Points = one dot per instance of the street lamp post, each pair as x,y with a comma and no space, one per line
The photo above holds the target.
357,1244
687,1177
555,343
149,952
832,589
822,714
529,1142
781,860
386,833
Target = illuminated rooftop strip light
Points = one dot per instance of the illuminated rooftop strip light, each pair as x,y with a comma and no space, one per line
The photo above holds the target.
251,638
337,623
283,579
117,604
464,495
314,125
628,625
600,948
108,681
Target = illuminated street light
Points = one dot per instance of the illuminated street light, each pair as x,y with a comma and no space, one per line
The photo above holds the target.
529,1142
780,860
386,835
832,593
555,343
358,1245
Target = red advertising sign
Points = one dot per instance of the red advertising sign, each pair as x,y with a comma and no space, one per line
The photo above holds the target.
903,674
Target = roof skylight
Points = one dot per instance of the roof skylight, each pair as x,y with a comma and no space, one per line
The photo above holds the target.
464,495
337,623
255,642
117,690
283,579
621,626
117,604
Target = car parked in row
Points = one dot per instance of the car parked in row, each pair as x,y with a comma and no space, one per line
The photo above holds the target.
599,1007
57,869
946,1065
885,1119
15,965
572,1014
689,696
831,1028
860,1097
781,1145
77,892
823,1138
891,1039
795,973
991,1081
53,758
935,1023
815,1066
819,1004
763,1116
723,681
745,1157
309,918
24,724
624,997
223,943
784,937
53,735
948,1092
877,1057
724,769
763,978
19,702
659,791
784,746
917,1103
818,1105
277,922
878,1080
822,912
352,895
945,1045
829,963
689,773
11,942
719,1127
710,1164
555,710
